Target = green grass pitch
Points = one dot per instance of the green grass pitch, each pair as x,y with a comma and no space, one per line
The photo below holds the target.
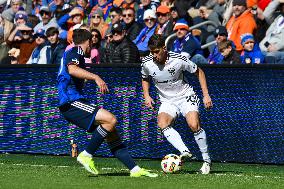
22,171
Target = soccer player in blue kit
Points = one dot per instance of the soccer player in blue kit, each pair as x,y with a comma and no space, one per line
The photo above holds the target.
176,96
78,111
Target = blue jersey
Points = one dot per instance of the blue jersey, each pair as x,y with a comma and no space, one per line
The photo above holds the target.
69,87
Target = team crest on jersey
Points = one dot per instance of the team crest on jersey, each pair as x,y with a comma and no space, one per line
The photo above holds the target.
172,71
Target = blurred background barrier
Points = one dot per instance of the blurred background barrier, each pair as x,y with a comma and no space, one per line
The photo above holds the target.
246,123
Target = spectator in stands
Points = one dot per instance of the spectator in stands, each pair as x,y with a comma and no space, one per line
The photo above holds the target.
105,5
208,29
231,56
9,13
82,4
57,46
131,26
187,44
261,23
26,44
4,59
272,44
219,8
174,14
96,51
71,21
42,53
167,3
142,39
251,53
115,15
36,6
183,6
221,34
130,4
145,5
165,24
124,50
46,20
108,48
58,8
7,26
241,22
21,17
97,22
33,20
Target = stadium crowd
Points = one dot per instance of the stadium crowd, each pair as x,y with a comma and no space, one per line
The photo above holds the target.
237,31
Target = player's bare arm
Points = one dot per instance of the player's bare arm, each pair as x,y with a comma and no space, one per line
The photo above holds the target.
145,86
202,80
78,72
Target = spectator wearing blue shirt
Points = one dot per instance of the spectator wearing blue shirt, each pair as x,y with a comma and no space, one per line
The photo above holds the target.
187,44
142,39
220,34
251,53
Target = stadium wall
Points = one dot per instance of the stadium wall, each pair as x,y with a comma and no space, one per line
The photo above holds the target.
246,123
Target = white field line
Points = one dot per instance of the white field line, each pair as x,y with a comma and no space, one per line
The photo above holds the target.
110,168
242,175
59,166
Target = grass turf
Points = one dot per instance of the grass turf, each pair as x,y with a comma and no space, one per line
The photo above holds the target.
61,172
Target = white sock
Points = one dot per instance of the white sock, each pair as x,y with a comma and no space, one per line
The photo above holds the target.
135,169
201,140
85,153
175,139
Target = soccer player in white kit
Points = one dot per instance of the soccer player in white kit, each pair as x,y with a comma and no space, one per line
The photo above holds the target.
176,96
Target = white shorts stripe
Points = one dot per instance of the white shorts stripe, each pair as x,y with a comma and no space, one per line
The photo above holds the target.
83,106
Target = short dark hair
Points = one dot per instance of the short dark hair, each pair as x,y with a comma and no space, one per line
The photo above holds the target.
51,31
117,10
129,8
156,41
80,36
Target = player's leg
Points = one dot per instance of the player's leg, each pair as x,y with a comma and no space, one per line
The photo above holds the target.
89,117
120,151
189,108
166,116
193,122
107,123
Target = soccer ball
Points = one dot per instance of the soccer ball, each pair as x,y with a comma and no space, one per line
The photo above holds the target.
171,163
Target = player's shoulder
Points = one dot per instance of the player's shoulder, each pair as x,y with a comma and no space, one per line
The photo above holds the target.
78,50
178,56
147,60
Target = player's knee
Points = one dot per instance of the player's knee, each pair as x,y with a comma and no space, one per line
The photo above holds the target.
112,121
194,127
163,124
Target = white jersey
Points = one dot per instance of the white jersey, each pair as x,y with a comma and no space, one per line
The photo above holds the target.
169,78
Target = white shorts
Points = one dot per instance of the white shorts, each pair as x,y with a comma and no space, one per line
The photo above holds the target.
183,105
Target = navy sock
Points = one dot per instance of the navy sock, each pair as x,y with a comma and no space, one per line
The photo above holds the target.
121,153
97,139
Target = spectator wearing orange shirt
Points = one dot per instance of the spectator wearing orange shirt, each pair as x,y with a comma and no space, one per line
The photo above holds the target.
241,22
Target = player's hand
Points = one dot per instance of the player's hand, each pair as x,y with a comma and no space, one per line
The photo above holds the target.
102,85
207,102
149,102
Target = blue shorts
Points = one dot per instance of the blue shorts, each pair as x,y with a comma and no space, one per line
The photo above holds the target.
80,113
